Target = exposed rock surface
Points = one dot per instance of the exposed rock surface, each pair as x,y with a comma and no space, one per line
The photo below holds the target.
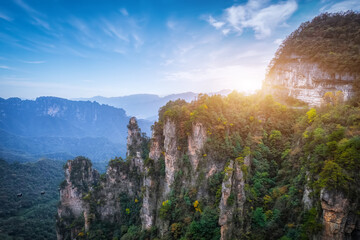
232,196
79,177
136,179
307,82
339,221
195,143
170,154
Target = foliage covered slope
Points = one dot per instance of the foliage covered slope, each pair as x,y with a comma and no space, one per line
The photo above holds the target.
32,215
331,40
291,149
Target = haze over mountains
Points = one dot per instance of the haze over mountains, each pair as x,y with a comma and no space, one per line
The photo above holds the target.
60,129
146,106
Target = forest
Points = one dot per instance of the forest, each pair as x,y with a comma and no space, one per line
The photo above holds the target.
31,216
292,150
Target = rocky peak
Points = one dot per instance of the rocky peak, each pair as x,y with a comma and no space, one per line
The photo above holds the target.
134,139
312,60
170,153
80,178
196,142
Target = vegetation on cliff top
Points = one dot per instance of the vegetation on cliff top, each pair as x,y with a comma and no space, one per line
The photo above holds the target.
331,40
289,148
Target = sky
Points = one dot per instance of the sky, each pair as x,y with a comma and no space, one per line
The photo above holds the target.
85,48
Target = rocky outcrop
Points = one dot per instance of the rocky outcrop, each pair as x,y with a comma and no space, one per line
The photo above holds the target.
232,195
79,179
85,197
306,81
150,185
170,154
134,140
196,142
157,178
339,220
306,200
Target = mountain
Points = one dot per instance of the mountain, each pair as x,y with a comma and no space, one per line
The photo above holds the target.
236,166
320,56
230,167
145,106
62,129
30,216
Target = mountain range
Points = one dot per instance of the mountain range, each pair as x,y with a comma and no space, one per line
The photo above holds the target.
146,106
57,128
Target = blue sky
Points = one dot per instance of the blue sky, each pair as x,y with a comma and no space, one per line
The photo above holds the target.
84,48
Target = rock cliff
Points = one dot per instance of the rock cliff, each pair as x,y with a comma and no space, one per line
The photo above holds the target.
306,81
339,218
320,56
150,183
79,180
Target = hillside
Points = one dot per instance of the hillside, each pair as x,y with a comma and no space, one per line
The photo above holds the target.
32,215
61,129
235,167
322,55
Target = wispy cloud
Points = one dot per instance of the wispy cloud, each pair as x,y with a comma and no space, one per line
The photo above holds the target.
171,24
341,6
114,31
26,7
138,41
41,23
79,25
6,67
124,12
34,62
259,15
34,14
214,23
278,41
5,17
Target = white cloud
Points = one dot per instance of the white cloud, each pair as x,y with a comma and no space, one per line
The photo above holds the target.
167,62
342,6
214,23
120,51
5,17
5,67
34,62
171,24
39,22
80,25
26,7
225,31
278,41
113,31
257,15
124,12
138,41
34,14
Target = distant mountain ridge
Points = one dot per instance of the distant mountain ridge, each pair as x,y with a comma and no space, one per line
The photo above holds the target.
146,106
60,129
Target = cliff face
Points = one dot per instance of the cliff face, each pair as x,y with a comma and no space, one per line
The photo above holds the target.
339,219
79,179
320,56
233,196
151,182
306,81
171,186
